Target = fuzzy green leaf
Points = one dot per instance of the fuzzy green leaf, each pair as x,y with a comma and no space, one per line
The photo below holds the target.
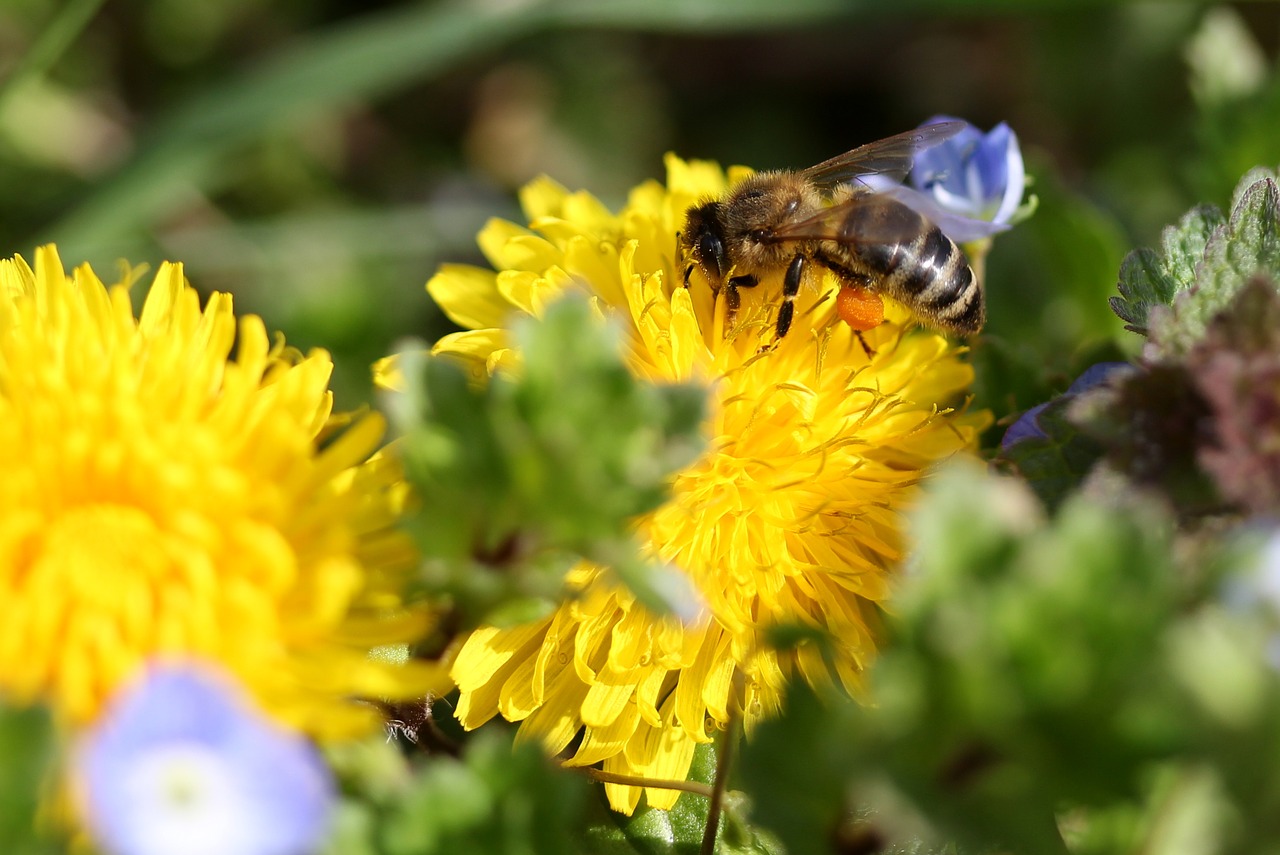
1144,284
1248,244
521,477
1149,279
1183,245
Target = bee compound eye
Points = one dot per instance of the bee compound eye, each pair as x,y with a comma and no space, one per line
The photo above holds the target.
711,252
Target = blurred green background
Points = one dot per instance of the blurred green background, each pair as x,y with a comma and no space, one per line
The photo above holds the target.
319,159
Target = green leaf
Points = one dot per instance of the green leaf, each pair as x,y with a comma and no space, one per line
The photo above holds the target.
357,60
521,477
797,768
954,540
1248,244
588,444
650,831
1183,245
1149,279
1143,285
1025,670
497,798
26,744
1057,464
352,830
679,831
1029,676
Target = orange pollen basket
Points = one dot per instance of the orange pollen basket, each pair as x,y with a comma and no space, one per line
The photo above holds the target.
860,308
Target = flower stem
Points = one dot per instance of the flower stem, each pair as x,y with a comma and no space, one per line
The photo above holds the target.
604,777
727,742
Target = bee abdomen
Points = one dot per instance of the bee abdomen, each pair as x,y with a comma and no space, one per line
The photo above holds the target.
932,276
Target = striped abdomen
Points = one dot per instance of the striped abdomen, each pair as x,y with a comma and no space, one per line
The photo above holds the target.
911,260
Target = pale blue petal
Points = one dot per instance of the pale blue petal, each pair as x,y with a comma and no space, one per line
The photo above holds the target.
254,788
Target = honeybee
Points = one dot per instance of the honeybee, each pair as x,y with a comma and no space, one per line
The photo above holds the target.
875,241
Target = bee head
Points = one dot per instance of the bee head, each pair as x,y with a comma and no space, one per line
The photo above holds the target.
702,242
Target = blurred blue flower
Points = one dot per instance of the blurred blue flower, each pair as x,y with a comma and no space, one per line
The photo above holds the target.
1028,427
973,174
181,765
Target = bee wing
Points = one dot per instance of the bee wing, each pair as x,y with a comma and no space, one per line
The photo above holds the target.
891,156
888,214
958,227
865,217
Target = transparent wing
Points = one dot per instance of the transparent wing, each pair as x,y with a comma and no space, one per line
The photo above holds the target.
889,215
865,217
891,156
958,227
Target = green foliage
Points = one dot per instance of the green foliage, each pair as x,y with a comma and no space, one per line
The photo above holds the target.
1205,260
1030,654
1047,284
680,830
499,799
1056,464
1153,424
1199,423
1076,679
1052,685
26,744
677,831
1149,279
1048,276
512,799
1248,244
520,477
496,798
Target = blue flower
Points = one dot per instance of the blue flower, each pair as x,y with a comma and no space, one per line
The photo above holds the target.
181,765
973,174
1028,426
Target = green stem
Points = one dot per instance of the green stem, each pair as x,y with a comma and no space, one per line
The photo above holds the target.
727,742
657,783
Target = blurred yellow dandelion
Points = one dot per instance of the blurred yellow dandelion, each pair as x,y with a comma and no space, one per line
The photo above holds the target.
793,516
161,501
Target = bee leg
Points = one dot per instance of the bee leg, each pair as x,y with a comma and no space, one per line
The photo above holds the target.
866,348
790,287
857,304
733,300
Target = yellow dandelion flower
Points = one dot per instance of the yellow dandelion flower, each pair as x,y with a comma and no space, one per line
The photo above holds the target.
793,515
159,500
